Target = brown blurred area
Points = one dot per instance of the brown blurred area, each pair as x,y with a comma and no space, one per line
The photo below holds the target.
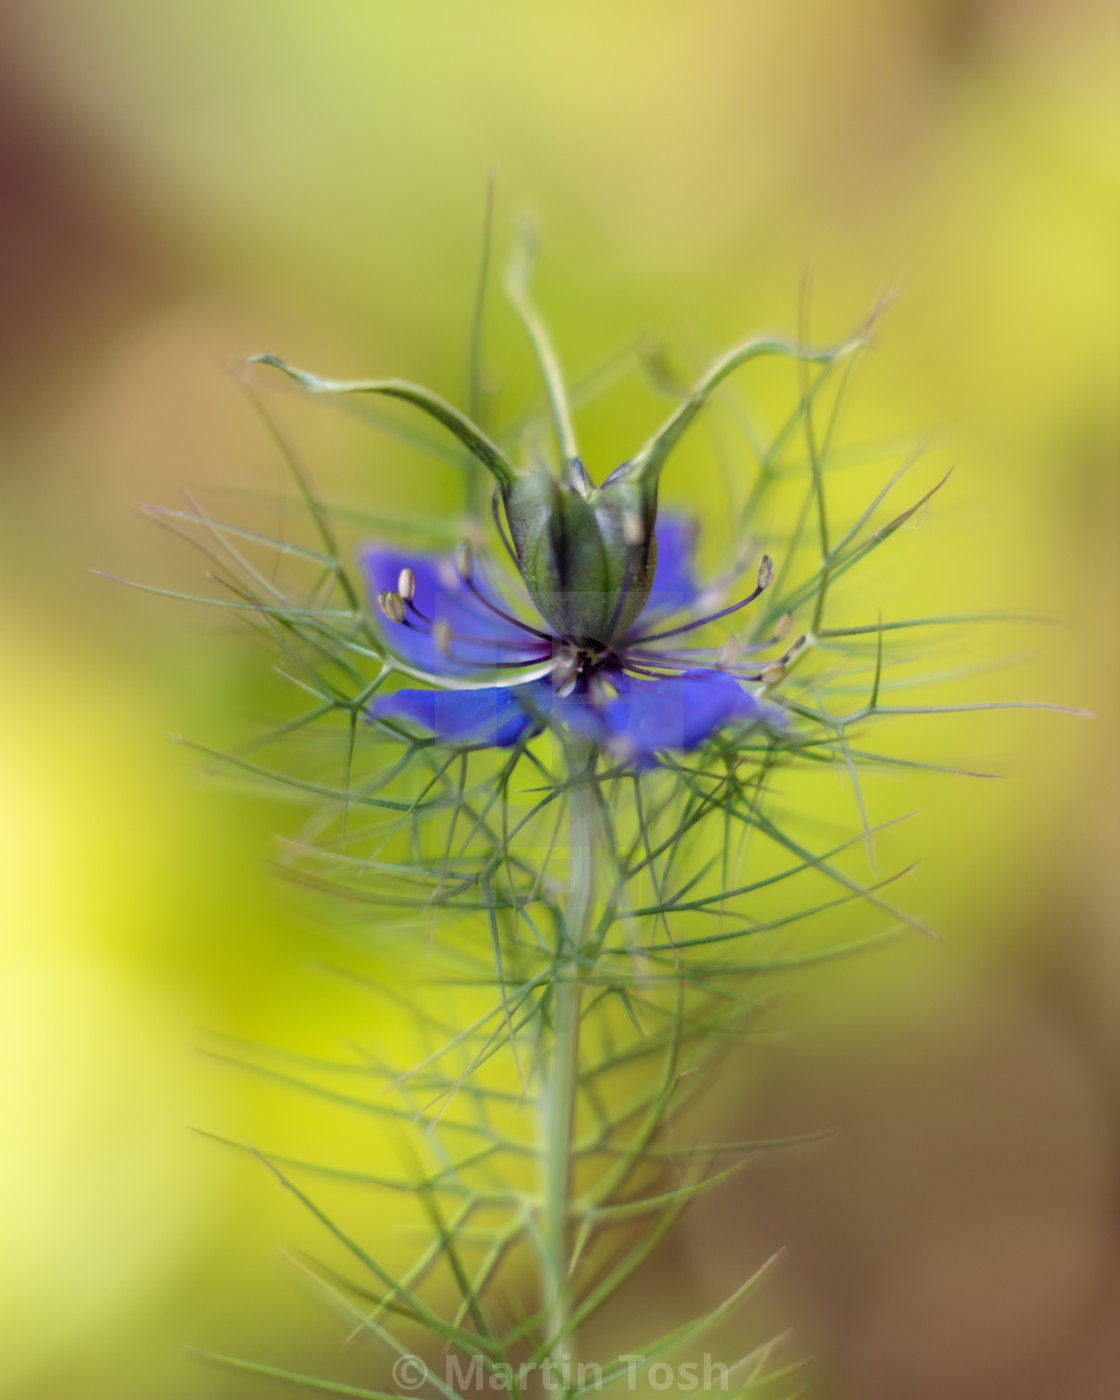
81,257
960,1234
958,1238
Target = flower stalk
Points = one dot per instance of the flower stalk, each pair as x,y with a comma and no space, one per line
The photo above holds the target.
561,1091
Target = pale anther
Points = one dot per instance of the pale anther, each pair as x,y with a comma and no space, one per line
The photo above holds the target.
442,636
731,648
463,560
391,605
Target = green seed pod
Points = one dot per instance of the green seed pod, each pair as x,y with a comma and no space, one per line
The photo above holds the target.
587,556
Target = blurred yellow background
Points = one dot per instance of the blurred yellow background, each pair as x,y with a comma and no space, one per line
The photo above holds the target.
182,185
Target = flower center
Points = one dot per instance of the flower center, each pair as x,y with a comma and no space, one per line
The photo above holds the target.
590,669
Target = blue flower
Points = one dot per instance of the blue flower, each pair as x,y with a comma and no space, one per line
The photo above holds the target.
635,693
603,572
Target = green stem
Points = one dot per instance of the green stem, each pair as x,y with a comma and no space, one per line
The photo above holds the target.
558,1126
558,1118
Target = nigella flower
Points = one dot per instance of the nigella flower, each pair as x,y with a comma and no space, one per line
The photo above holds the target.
603,658
614,667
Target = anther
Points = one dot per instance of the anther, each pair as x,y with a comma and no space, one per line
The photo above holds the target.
765,579
731,648
442,636
406,585
773,673
463,561
391,605
782,626
566,674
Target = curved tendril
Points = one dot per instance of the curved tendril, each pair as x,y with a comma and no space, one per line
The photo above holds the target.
458,424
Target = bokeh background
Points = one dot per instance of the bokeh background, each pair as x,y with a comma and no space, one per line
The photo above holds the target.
181,185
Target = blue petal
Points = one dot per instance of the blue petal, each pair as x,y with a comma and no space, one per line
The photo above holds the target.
679,712
495,715
441,595
674,583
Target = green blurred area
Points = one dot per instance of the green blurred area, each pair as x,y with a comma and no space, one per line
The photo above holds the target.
185,185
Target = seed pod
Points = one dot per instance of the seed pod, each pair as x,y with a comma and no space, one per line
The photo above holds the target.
587,555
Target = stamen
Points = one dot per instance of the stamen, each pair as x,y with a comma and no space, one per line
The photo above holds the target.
700,621
442,636
391,605
765,579
566,674
406,584
633,670
687,656
515,622
730,650
506,643
464,560
776,670
501,665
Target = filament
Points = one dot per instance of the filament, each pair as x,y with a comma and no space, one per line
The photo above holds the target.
701,621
